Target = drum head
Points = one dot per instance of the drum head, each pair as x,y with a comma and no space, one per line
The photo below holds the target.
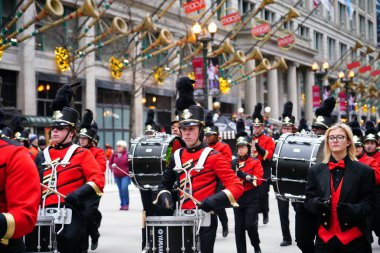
149,158
294,155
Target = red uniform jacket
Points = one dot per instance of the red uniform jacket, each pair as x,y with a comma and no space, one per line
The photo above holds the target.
249,166
205,181
33,151
82,169
20,191
371,162
376,156
223,148
267,143
100,157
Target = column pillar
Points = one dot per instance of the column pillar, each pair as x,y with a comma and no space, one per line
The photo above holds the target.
309,114
250,89
27,85
90,87
273,93
138,112
292,88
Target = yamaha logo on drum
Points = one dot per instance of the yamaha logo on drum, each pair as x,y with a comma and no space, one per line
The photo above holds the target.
160,233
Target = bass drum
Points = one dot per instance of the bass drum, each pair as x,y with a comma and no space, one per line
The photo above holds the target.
293,156
148,158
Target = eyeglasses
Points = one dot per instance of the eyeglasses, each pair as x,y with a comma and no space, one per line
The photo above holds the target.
339,138
59,128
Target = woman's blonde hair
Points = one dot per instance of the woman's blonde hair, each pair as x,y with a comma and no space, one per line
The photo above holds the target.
350,137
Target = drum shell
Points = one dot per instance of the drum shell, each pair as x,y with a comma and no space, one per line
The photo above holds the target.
44,226
168,231
148,158
293,156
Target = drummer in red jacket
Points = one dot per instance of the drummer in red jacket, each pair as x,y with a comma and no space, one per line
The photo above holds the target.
262,149
248,169
204,181
212,139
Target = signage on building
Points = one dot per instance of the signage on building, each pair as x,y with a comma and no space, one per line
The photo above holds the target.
193,6
287,40
375,72
353,65
230,18
364,69
316,96
342,101
260,29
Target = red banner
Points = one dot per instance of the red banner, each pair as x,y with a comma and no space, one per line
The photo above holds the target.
342,101
365,69
353,65
194,5
231,18
316,96
286,40
375,72
260,30
198,72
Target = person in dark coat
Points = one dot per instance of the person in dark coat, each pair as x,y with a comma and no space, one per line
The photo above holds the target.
341,191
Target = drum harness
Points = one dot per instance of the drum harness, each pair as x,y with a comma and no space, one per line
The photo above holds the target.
203,217
61,215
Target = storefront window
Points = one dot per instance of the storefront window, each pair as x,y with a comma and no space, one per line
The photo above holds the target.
8,88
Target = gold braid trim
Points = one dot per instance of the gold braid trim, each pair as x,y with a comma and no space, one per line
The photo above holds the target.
231,198
11,225
96,188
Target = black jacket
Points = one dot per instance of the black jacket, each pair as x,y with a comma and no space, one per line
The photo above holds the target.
358,189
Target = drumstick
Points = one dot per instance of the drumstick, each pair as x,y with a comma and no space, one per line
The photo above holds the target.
52,190
120,169
189,196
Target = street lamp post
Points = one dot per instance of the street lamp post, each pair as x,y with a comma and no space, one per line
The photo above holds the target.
204,39
319,75
346,82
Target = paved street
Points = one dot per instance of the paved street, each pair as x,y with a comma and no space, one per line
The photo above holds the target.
121,230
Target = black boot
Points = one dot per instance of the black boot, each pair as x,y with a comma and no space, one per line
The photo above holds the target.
94,243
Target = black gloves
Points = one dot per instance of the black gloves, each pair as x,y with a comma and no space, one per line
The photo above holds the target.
348,209
77,197
218,200
323,205
165,200
259,149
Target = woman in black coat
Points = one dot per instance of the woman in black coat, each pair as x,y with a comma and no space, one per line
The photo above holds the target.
341,191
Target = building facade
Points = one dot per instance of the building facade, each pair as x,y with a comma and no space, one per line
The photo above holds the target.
30,75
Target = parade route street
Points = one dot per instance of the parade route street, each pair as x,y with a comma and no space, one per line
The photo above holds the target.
121,230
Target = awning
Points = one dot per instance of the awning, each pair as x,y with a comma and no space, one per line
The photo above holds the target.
37,121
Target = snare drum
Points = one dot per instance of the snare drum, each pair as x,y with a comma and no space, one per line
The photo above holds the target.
171,234
42,238
149,157
293,156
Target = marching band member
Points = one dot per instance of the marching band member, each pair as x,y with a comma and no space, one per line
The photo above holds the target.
33,149
370,144
341,191
323,119
246,216
204,181
212,139
263,150
87,135
20,194
287,126
78,176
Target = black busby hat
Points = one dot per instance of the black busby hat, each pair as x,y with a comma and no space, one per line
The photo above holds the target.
370,135
22,136
243,141
240,128
358,136
287,118
63,114
87,130
257,118
303,125
212,130
323,118
189,113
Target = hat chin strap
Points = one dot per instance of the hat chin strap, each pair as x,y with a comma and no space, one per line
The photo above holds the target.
67,135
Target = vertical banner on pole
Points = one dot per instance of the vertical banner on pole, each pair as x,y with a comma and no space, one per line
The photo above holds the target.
199,77
316,96
213,76
342,101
